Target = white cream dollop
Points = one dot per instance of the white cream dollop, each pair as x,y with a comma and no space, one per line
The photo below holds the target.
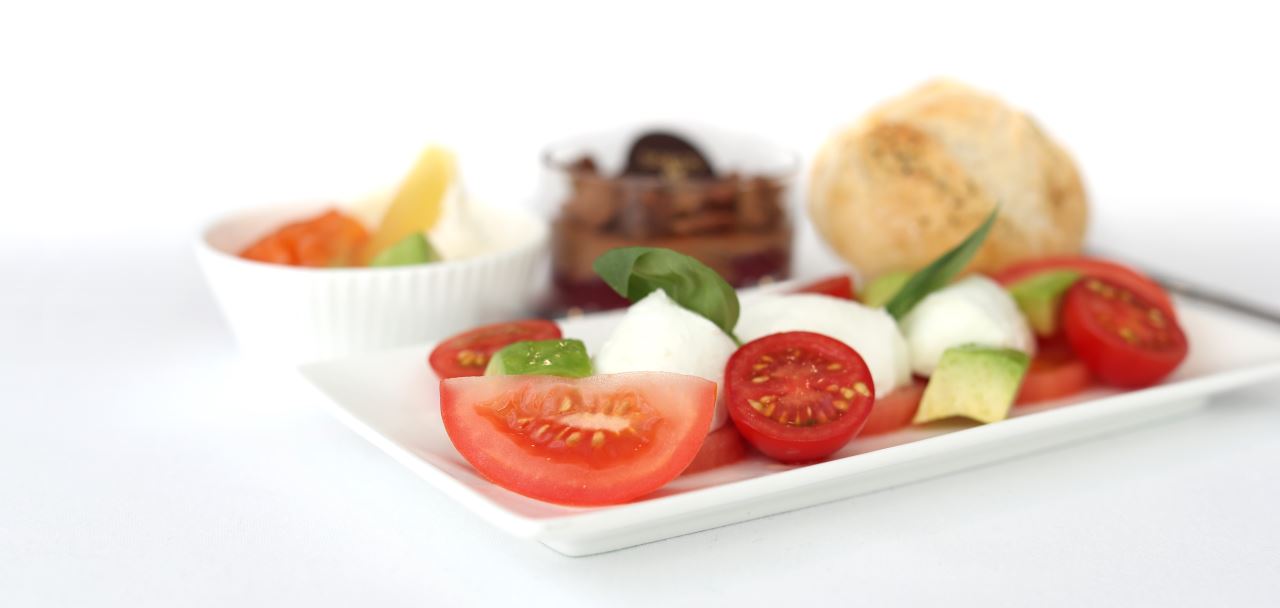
975,310
870,331
658,335
465,228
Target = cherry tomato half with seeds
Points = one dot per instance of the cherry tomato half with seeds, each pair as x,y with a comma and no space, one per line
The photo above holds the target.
467,353
798,396
1106,270
1124,339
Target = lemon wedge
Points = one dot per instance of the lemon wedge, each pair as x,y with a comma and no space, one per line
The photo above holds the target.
418,203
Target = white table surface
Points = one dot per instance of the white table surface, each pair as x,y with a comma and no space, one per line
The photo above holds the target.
142,465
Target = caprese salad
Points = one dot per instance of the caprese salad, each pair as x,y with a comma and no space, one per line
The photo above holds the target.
691,376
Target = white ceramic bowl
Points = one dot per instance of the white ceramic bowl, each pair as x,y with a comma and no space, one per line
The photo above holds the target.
290,315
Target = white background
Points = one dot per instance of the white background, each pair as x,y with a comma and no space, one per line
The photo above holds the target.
141,465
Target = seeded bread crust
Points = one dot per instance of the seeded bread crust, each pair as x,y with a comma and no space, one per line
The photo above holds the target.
920,172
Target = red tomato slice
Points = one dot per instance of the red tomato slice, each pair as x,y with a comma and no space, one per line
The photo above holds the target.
798,396
839,286
723,446
467,353
1055,373
894,411
591,441
1123,338
1119,274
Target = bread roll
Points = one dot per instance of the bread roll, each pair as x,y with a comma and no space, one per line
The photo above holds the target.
920,172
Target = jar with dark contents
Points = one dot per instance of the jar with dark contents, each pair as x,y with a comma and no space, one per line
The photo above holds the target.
722,198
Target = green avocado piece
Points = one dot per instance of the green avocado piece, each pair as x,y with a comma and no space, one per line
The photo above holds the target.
412,249
1039,296
882,288
564,357
977,382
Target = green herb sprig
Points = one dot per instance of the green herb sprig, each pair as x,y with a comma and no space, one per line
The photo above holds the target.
940,272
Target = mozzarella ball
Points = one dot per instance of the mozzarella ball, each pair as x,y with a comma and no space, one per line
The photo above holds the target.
975,310
658,335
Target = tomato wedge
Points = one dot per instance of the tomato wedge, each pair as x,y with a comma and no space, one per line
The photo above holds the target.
838,286
467,353
798,396
1124,339
591,441
723,446
1119,274
894,411
1055,373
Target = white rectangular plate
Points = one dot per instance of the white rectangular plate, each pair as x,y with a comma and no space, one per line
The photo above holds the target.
392,399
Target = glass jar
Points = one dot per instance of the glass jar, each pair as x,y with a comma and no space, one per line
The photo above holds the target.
726,199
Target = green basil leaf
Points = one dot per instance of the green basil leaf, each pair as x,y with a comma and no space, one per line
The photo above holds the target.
940,272
635,272
614,266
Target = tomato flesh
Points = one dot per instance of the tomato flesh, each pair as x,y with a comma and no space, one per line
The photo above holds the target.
1119,274
467,353
721,447
1055,373
894,411
798,396
1124,339
838,286
591,441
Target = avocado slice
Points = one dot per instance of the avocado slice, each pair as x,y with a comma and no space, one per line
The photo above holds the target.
1039,296
977,382
412,249
882,288
563,357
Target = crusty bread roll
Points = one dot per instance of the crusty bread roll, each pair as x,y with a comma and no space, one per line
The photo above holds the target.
920,172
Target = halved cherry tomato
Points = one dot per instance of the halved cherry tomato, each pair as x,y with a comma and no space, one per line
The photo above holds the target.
722,446
839,286
591,441
1134,281
329,239
894,411
798,396
467,353
1055,373
1123,338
